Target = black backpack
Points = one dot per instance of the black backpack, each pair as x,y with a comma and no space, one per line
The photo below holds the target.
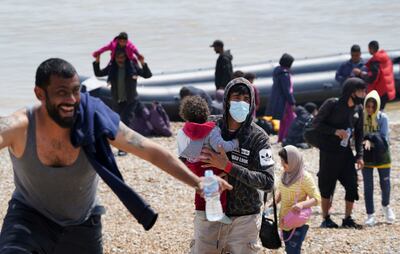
311,135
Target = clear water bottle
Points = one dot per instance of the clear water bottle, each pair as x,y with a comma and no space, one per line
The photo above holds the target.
345,141
211,194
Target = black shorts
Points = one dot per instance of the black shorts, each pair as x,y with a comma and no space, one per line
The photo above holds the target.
337,166
27,231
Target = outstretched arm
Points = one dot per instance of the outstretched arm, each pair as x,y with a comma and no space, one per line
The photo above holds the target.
12,129
132,142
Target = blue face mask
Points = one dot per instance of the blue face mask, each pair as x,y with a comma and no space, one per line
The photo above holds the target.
239,110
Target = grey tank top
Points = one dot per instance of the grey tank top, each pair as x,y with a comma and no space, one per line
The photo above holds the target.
66,195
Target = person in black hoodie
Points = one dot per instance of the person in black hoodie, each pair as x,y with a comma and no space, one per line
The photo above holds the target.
337,120
249,170
223,69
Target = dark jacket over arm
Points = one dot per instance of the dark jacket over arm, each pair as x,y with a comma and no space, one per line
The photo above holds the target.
95,124
374,68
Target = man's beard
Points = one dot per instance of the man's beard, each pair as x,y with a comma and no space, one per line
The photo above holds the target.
53,111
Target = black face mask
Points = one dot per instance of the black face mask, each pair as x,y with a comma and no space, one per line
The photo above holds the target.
357,100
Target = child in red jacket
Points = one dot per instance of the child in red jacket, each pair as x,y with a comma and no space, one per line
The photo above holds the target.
197,133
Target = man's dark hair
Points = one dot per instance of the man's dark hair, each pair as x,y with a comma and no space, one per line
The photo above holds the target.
283,154
122,36
194,109
250,76
238,74
119,52
53,66
374,45
355,48
241,89
184,92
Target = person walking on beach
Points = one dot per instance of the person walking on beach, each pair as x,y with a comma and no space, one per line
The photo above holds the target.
123,84
296,191
54,208
223,68
338,120
281,105
376,155
345,70
380,75
249,169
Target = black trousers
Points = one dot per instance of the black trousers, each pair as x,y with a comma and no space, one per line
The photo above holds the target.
126,111
337,166
27,231
384,100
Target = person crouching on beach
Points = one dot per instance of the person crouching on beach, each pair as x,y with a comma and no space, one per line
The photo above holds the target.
376,155
296,191
195,134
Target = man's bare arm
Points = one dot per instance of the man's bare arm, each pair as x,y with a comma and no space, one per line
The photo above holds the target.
132,142
11,129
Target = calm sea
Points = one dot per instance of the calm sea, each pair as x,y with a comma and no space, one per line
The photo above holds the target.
175,35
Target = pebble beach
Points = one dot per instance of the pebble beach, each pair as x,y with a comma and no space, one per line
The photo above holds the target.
173,201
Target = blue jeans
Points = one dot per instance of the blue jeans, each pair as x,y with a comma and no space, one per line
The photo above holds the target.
293,246
384,180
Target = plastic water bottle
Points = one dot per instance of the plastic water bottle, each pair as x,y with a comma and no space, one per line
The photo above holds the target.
345,141
211,194
267,212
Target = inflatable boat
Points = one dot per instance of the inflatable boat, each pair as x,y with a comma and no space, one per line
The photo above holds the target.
313,79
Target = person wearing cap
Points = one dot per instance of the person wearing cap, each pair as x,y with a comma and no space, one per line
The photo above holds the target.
223,68
337,121
120,42
346,69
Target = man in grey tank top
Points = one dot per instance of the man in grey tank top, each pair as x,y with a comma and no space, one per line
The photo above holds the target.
54,207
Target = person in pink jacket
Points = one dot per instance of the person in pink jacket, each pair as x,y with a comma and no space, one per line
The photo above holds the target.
120,41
